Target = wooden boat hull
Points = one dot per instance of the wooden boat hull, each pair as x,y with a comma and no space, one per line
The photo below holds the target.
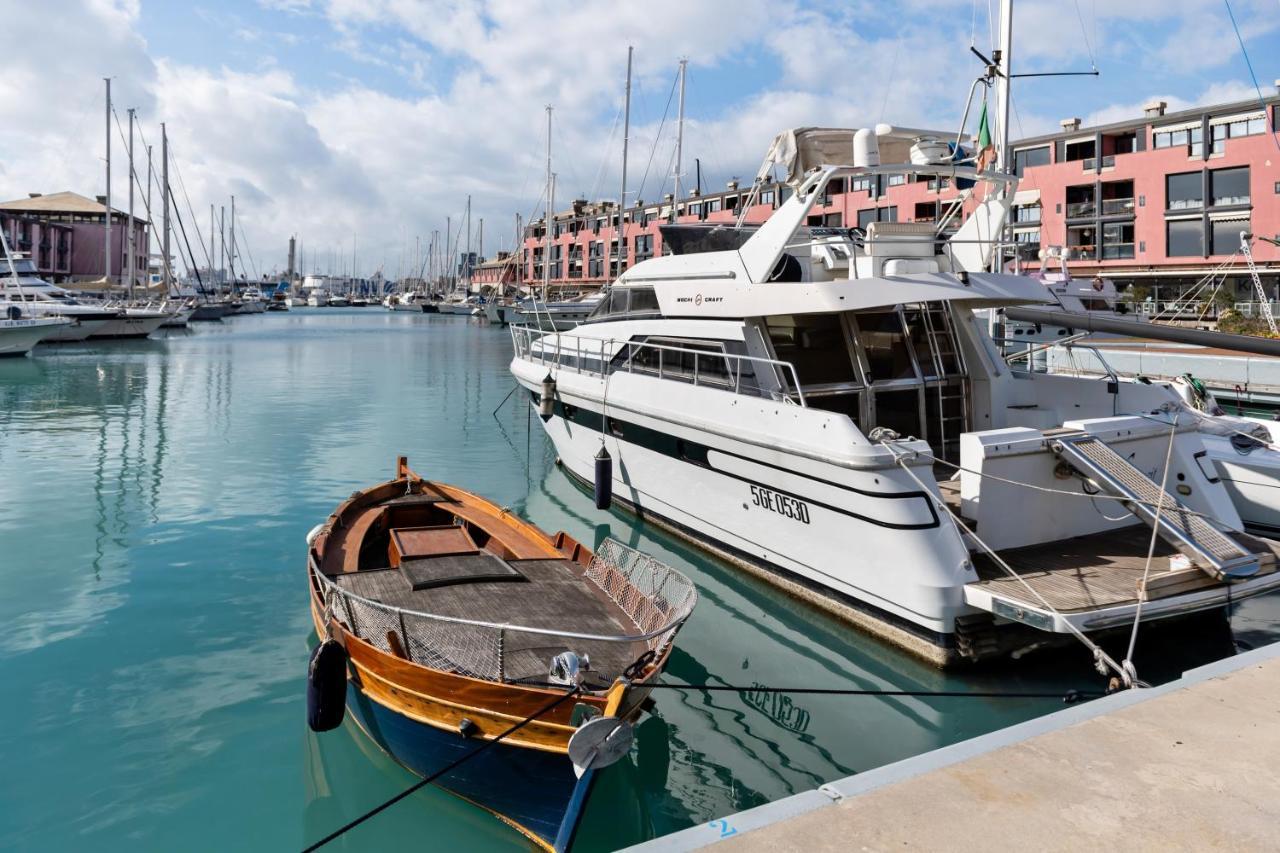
528,789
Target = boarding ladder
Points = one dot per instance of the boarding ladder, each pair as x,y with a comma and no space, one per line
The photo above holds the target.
1203,543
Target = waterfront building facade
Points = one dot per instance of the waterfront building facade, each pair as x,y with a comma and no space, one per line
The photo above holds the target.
1156,200
64,235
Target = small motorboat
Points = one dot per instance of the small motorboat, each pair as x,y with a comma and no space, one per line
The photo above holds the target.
446,621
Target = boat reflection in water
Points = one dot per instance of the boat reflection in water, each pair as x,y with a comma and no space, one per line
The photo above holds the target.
460,635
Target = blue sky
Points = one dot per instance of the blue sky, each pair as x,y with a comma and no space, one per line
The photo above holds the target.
374,119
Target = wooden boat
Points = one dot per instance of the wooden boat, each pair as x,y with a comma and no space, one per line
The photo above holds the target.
459,620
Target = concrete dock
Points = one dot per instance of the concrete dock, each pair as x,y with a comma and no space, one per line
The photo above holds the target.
1190,765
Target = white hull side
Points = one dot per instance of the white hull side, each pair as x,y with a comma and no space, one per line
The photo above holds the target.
130,326
867,535
17,337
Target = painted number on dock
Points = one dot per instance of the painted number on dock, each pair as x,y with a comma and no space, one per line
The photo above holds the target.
790,507
722,826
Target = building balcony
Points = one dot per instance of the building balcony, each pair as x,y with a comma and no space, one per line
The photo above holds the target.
1117,206
1084,252
1117,251
1081,209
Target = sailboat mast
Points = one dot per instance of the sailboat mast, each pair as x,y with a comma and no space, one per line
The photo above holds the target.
1003,100
106,219
212,230
546,251
626,138
222,245
130,264
164,203
232,257
675,202
466,268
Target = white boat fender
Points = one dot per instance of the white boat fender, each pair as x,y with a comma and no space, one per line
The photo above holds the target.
327,686
315,532
604,478
546,404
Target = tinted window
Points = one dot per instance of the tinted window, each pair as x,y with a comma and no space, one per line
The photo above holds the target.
1230,186
885,342
1030,157
1225,235
643,299
1186,238
815,345
1184,190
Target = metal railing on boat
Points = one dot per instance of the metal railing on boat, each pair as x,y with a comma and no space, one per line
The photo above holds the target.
655,598
603,356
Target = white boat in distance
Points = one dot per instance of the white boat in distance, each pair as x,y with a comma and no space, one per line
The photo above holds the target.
557,315
38,298
822,407
19,334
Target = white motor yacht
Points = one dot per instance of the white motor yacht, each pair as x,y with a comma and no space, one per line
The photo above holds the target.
38,298
823,408
558,315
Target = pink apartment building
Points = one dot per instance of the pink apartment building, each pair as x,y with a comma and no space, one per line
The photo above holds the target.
1160,199
63,233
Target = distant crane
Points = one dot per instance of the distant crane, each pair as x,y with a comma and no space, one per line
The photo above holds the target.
1263,301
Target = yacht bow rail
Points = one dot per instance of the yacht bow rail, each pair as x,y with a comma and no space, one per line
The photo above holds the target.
738,374
655,598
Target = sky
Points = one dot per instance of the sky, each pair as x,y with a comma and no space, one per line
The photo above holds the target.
359,126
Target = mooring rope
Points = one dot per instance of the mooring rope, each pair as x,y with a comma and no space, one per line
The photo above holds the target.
1068,697
442,771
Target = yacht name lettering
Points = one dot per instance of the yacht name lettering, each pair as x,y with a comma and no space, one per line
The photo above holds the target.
762,496
699,299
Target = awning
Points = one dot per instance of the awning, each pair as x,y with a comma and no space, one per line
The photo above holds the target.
1259,114
1026,197
802,149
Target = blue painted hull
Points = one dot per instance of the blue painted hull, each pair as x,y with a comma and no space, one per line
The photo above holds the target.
528,787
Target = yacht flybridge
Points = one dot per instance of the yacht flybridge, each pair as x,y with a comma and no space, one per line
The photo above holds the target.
823,407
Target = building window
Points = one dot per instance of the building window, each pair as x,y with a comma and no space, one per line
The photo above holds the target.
1192,137
1184,191
1027,213
1224,235
767,197
1224,129
644,246
876,214
1229,186
1185,237
1029,158
1082,240
860,185
897,180
833,220
1117,240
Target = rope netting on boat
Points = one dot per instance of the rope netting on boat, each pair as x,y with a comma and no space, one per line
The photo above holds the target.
654,598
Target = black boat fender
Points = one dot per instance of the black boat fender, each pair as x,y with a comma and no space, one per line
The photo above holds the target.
327,686
604,478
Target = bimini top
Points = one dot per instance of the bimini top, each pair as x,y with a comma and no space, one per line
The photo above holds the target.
802,149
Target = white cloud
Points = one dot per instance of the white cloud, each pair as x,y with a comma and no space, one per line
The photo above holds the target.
311,152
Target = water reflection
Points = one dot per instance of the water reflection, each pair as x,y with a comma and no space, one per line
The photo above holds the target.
153,502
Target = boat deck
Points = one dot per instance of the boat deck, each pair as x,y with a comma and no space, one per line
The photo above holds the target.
545,594
1099,570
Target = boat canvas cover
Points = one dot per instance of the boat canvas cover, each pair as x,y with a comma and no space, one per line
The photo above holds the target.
802,149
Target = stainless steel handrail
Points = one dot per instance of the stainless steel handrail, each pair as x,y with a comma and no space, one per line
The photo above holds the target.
523,338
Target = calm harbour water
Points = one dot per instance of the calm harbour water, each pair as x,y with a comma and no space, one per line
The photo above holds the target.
154,497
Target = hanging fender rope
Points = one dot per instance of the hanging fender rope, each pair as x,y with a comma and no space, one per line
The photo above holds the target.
442,771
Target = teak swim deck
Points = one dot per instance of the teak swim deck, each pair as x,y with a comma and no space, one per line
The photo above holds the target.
460,620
